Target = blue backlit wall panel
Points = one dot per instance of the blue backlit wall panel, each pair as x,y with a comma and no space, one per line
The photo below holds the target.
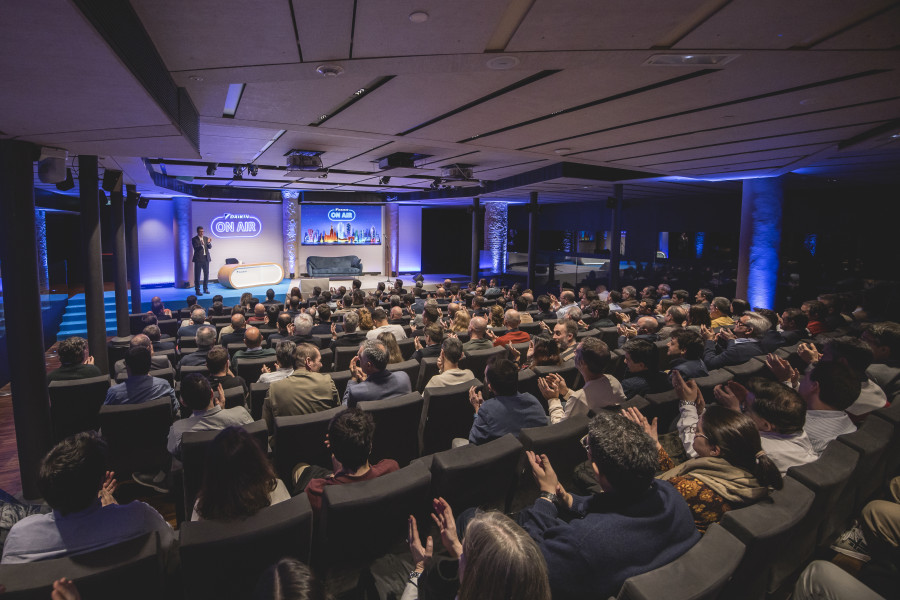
495,232
410,239
156,242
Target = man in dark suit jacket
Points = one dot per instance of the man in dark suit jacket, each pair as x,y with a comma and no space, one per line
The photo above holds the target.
371,379
741,344
157,361
239,326
202,246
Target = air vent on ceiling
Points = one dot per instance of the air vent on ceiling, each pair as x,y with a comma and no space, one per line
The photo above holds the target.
689,60
455,172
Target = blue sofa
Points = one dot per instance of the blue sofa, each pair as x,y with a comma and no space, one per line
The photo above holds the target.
317,266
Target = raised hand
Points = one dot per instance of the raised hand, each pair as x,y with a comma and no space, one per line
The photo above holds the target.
780,367
707,333
421,555
808,353
475,398
543,472
107,489
64,589
635,416
443,517
547,388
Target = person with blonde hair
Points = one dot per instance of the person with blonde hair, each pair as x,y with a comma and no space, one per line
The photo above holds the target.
365,320
460,323
393,348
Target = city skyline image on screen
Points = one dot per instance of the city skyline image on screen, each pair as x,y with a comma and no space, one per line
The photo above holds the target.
340,225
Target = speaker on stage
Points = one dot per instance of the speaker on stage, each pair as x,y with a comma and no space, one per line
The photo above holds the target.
112,180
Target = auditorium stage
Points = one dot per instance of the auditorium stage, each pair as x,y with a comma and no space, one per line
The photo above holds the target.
74,320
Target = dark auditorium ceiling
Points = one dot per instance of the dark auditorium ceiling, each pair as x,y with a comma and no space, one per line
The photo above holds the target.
562,97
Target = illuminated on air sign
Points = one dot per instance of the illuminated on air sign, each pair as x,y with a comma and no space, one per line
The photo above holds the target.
341,214
229,225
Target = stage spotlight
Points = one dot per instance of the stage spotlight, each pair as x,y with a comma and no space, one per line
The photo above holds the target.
254,169
436,184
211,169
238,172
385,180
324,175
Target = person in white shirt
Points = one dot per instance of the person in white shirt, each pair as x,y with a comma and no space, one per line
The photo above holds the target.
779,413
209,411
828,389
448,363
284,355
379,317
599,391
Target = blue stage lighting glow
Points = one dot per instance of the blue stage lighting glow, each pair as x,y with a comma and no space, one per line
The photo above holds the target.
495,232
762,205
810,243
699,238
290,194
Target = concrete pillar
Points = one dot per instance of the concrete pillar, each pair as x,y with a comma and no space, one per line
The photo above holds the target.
290,226
495,234
133,249
615,250
391,240
184,268
117,204
476,248
24,330
532,238
760,244
92,261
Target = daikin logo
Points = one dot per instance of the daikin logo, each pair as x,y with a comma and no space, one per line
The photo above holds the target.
230,225
341,214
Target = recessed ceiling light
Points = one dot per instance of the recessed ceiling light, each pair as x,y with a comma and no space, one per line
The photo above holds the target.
895,136
502,63
419,16
562,150
329,70
195,78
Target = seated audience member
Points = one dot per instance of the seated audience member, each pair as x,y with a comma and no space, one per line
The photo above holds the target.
325,325
673,321
599,311
157,361
206,338
305,391
198,318
509,411
500,560
237,309
773,339
365,320
209,412
828,389
350,436
599,391
155,335
704,296
642,374
857,355
220,373
74,363
876,536
884,340
793,323
719,313
139,387
371,379
521,305
289,579
270,297
739,307
686,353
565,304
511,319
817,313
379,318
350,336
259,315
545,308
434,336
682,298
645,329
740,344
301,330
496,316
477,336
698,316
542,352
613,299
460,321
592,544
159,309
238,479
236,335
448,364
731,469
629,297
393,348
564,333
284,356
253,340
74,481
823,579
778,411
271,324
397,317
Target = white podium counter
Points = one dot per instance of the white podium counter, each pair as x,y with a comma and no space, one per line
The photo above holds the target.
250,275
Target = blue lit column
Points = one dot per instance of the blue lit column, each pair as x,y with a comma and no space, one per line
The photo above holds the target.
290,224
760,245
495,232
183,234
391,240
40,235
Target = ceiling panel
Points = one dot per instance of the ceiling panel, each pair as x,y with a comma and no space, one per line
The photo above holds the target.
459,27
209,34
324,28
296,102
775,24
410,100
875,34
608,24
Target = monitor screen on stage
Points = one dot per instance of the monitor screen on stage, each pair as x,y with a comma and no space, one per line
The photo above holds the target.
335,225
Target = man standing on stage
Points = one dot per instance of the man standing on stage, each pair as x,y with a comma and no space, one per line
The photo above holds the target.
201,246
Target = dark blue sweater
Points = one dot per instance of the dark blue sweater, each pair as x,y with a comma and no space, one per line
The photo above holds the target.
609,540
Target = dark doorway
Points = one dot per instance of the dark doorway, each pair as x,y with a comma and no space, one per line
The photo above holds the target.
446,240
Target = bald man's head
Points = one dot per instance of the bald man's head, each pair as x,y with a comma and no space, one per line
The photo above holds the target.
477,327
252,338
647,325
